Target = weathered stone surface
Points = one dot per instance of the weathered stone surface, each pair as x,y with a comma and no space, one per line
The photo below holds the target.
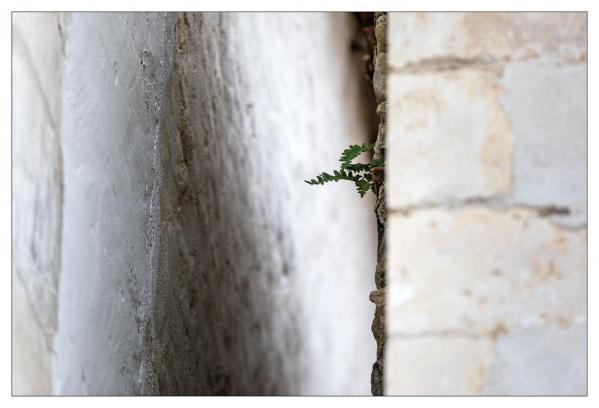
540,361
531,361
437,365
377,377
480,271
378,297
550,160
242,236
378,323
379,79
380,31
421,38
38,199
478,252
196,259
36,196
39,38
380,145
448,138
31,357
115,74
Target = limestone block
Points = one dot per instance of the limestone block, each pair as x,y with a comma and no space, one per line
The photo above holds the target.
437,365
547,108
479,271
418,38
449,138
540,361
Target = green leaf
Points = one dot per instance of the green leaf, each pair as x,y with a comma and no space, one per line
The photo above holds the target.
358,173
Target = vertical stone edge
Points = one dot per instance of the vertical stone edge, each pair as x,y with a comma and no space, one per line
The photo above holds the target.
378,296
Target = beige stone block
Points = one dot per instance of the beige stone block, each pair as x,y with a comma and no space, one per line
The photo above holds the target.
479,271
449,138
437,365
540,361
432,38
547,108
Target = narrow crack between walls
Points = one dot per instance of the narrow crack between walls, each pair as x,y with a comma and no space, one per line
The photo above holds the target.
376,34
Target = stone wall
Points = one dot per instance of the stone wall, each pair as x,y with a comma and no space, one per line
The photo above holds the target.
259,293
486,178
378,296
165,243
115,74
193,259
37,194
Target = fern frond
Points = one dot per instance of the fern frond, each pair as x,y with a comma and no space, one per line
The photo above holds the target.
352,152
362,186
358,173
357,167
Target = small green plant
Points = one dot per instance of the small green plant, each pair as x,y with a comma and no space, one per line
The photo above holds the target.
359,173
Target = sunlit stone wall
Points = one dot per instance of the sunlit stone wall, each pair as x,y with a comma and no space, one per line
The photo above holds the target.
487,228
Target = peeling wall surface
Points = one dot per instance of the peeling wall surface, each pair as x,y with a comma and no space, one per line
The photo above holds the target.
193,258
487,227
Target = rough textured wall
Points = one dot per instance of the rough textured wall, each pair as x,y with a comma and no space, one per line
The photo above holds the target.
487,197
116,70
36,196
264,280
380,279
195,258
